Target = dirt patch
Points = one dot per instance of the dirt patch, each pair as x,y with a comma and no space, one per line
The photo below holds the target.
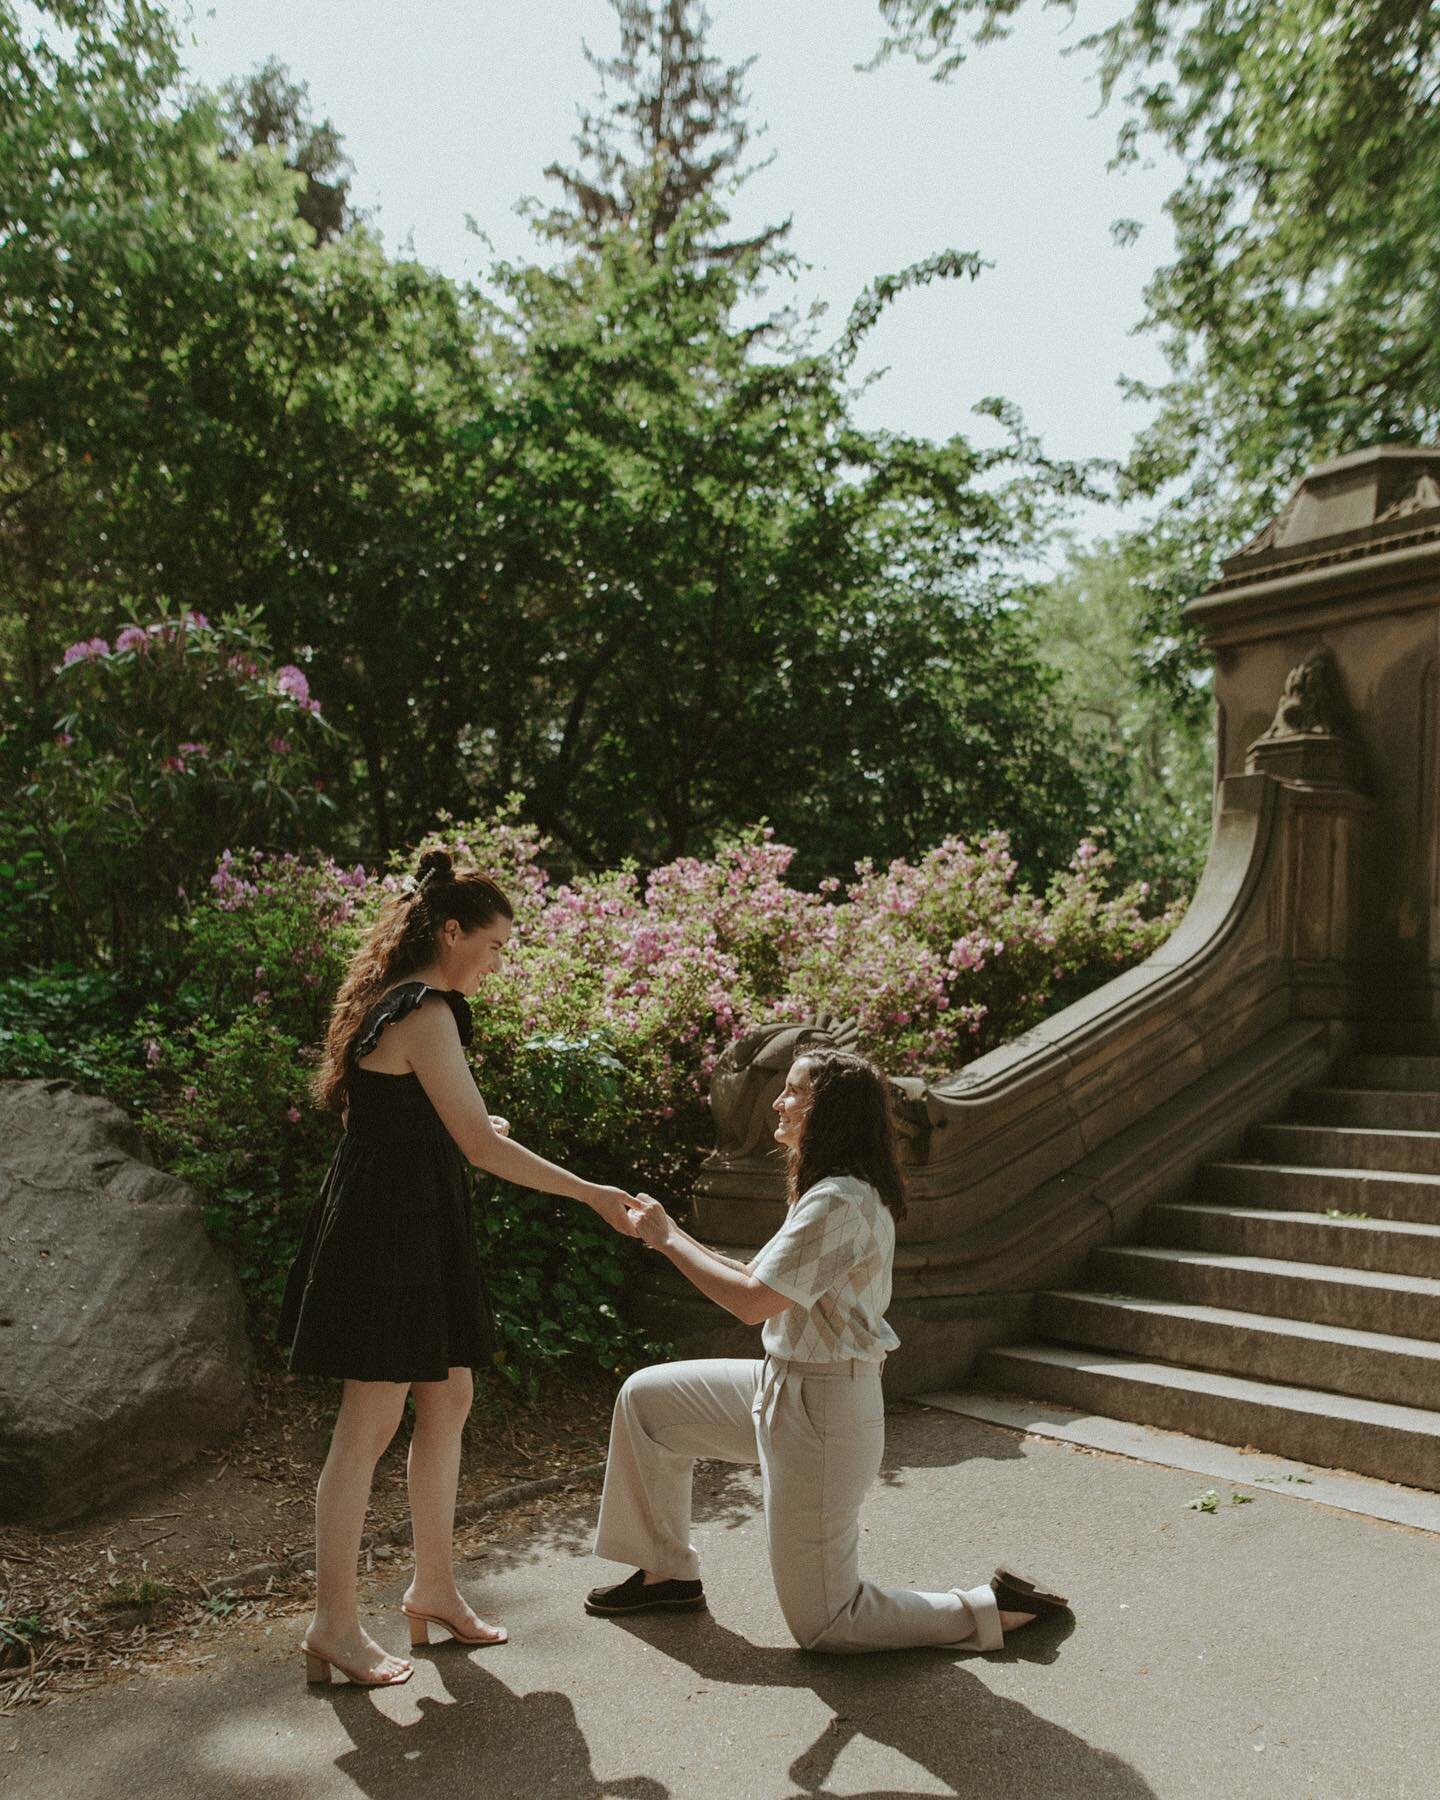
149,1582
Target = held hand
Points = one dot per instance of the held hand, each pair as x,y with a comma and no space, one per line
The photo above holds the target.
650,1220
612,1203
501,1127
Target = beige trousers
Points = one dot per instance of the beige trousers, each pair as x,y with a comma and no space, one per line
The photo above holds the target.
818,1431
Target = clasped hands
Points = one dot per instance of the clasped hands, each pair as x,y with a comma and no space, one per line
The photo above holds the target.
650,1221
634,1215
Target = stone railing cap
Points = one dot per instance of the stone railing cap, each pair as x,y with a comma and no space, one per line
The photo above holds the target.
1351,506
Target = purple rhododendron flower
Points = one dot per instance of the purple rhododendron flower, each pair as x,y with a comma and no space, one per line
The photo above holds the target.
85,651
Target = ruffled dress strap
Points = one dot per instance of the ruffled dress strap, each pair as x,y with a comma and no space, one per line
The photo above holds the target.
399,1003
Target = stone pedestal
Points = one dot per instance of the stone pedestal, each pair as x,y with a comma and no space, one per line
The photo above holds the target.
1350,570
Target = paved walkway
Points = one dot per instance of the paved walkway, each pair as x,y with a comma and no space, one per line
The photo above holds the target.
1272,1649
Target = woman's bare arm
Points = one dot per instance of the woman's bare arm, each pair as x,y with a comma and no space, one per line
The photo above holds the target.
730,1262
430,1041
719,1278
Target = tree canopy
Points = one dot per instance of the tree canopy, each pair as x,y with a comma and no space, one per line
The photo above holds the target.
669,128
267,110
603,533
1301,313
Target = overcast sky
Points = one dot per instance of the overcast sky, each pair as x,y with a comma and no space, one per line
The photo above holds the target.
454,107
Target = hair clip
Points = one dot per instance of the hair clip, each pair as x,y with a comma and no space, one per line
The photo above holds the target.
409,885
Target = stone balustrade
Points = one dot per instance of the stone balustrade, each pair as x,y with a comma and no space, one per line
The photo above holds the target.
1318,910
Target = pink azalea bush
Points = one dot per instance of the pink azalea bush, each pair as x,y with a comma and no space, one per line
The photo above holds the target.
178,740
600,1038
937,960
945,958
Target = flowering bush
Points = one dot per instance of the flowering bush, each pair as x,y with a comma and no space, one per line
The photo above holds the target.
599,1041
943,959
276,933
177,740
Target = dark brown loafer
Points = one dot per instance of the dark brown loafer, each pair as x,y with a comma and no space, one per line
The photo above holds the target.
1017,1593
632,1596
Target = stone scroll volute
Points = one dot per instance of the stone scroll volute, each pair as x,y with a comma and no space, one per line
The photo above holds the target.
751,1073
1312,738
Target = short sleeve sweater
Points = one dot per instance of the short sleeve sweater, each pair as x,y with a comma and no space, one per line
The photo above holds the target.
833,1257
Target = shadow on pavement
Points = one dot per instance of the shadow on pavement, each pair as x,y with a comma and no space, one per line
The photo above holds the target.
485,1740
921,1704
923,1437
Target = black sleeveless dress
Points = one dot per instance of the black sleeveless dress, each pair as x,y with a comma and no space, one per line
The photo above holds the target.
387,1285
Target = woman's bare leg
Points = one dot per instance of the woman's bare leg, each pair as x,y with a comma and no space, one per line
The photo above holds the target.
441,1409
369,1413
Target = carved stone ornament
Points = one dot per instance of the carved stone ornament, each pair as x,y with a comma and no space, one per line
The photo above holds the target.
752,1071
1311,739
1312,703
1424,495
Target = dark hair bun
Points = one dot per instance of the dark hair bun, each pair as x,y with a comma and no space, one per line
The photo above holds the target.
436,865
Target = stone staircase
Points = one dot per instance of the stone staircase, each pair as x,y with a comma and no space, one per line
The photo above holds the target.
1291,1302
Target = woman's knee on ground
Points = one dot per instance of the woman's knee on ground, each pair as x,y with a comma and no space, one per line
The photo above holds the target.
810,1622
811,1630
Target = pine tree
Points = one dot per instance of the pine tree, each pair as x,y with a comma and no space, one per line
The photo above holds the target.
267,110
669,129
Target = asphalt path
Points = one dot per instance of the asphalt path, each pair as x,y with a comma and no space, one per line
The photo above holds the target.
1272,1648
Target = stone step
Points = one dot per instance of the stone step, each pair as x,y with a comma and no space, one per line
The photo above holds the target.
1389,1246
1299,1483
1408,1305
1368,1365
1418,1074
1296,1187
1346,1147
1370,1437
1398,1037
1391,1109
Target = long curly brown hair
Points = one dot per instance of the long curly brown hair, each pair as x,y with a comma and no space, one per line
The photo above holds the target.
401,940
848,1128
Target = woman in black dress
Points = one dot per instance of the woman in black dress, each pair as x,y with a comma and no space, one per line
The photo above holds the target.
386,1292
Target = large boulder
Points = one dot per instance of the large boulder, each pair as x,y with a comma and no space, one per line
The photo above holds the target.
122,1331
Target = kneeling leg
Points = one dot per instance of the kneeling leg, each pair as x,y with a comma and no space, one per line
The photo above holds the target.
665,1418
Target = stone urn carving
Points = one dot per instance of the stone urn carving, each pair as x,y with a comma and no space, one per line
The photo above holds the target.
743,1090
1312,737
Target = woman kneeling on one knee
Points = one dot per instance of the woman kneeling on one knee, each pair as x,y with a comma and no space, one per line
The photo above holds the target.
810,1412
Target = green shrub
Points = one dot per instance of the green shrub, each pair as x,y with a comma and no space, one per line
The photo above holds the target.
179,739
231,1115
90,1026
598,1044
